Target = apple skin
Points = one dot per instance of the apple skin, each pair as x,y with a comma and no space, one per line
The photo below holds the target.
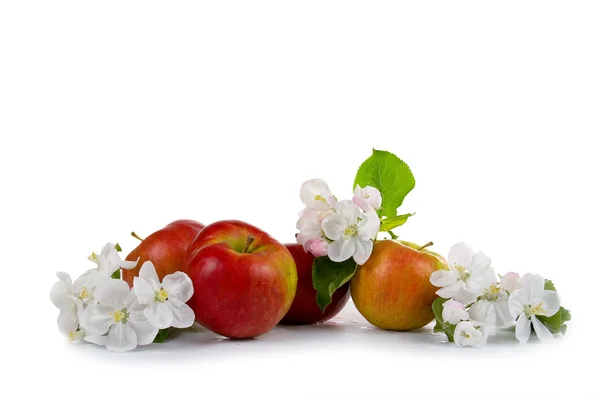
166,248
304,309
239,294
392,289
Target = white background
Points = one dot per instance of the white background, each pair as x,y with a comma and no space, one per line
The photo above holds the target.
119,116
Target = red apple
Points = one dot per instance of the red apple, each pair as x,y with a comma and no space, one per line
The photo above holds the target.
166,249
244,280
304,309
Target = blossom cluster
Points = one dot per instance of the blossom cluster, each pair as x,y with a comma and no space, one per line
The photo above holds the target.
99,309
479,301
339,229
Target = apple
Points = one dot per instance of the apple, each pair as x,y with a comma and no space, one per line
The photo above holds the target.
304,309
244,280
392,289
166,248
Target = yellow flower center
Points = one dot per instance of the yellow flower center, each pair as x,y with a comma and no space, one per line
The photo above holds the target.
120,315
318,197
538,309
84,293
161,296
351,231
491,293
463,274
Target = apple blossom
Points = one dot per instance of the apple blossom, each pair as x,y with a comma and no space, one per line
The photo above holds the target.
120,314
367,198
318,247
468,333
453,312
468,275
166,302
530,301
309,225
315,194
510,282
110,261
351,232
492,307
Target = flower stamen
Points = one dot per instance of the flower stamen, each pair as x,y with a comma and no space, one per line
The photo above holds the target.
161,295
120,315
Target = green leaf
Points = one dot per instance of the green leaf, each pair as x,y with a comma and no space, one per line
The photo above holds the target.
328,276
557,322
118,247
386,172
162,335
440,325
116,274
549,285
387,224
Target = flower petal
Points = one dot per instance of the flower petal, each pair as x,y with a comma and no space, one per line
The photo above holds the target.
540,330
179,286
121,337
98,319
61,294
460,254
449,291
523,328
479,263
100,340
334,226
63,276
67,320
341,250
503,317
464,296
517,301
183,315
149,272
363,250
483,313
112,293
159,314
129,264
143,328
349,211
369,225
533,284
144,289
443,277
551,301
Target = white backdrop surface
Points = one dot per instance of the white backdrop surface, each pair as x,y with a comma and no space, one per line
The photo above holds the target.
119,116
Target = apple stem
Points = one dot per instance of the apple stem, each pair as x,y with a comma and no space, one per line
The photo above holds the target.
425,245
249,241
135,235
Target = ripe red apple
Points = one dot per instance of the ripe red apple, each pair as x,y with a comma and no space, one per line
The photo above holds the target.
392,289
244,280
304,309
166,249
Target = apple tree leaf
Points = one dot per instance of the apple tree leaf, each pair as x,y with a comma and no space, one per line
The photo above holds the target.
387,224
162,335
118,247
386,172
549,285
328,276
557,322
116,274
440,325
